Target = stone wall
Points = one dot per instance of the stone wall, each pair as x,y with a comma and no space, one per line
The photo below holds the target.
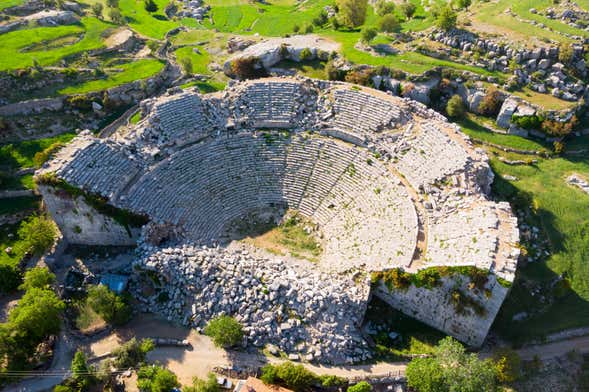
434,306
81,224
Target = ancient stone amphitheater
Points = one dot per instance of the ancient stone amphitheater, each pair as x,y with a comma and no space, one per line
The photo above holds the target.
390,185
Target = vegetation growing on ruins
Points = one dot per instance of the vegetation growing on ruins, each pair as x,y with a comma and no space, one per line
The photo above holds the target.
225,331
297,377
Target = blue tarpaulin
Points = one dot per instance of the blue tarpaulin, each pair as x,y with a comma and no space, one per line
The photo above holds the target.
116,283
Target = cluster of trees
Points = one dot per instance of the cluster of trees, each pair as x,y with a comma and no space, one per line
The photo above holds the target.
114,13
32,321
450,368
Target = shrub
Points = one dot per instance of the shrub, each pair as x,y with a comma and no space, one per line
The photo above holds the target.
491,103
10,278
225,331
558,128
362,386
186,64
112,3
110,306
446,20
463,4
247,68
368,34
384,7
208,385
116,16
37,277
331,71
507,365
306,54
565,54
455,107
97,10
38,232
527,122
362,77
43,156
309,29
296,28
80,102
155,378
150,5
289,375
408,9
81,373
388,23
352,13
132,353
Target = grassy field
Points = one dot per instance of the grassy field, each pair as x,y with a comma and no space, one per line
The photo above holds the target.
10,3
128,72
20,155
200,61
14,53
472,127
563,215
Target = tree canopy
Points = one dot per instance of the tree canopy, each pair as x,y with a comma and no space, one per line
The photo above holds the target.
38,232
451,369
352,13
154,378
225,331
110,306
37,277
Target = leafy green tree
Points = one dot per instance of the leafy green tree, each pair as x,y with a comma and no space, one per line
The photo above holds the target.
208,385
455,107
565,53
389,23
37,277
352,13
451,369
112,3
305,54
384,7
408,9
97,10
289,375
110,306
116,17
463,4
82,374
132,353
446,19
153,378
150,6
10,278
186,63
362,386
225,331
368,34
38,232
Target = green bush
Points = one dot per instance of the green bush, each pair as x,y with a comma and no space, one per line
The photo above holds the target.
368,34
289,375
154,378
150,5
225,331
528,122
10,278
446,20
388,24
208,385
38,232
455,107
352,13
408,9
132,353
37,277
507,365
384,7
306,54
110,306
362,386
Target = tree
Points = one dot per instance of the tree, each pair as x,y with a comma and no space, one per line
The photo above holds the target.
110,306
362,386
97,10
155,378
331,71
384,7
225,331
566,54
150,6
352,13
186,63
491,103
37,277
82,374
388,23
451,369
455,107
507,365
247,68
463,4
295,377
112,3
408,9
368,34
305,54
446,19
208,385
132,353
38,232
116,17
10,278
